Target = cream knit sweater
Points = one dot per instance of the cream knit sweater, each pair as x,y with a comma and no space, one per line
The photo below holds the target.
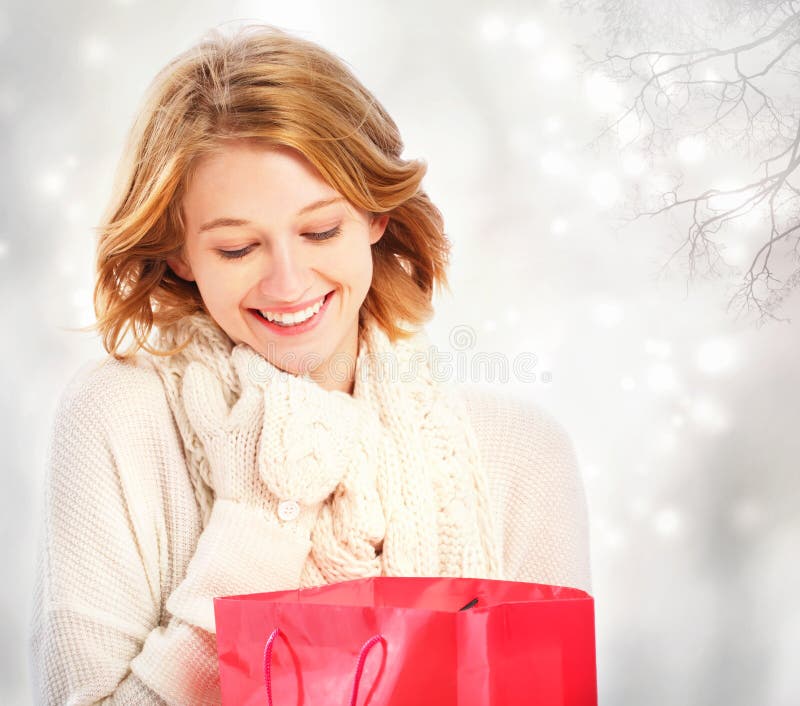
124,563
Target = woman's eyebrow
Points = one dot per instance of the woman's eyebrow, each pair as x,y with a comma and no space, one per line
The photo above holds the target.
227,221
222,223
319,204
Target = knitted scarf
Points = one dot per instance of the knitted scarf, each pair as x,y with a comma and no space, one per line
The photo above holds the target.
430,484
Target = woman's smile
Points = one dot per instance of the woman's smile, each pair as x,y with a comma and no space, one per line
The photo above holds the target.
294,323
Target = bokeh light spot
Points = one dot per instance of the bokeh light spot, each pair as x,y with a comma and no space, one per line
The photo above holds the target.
607,313
605,189
692,149
493,28
662,379
717,357
559,226
667,522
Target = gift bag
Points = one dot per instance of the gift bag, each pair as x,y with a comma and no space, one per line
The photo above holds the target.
390,641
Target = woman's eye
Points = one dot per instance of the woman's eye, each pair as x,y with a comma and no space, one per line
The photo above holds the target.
234,254
323,236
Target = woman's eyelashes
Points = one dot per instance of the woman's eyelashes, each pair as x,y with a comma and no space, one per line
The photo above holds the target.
234,254
327,235
316,237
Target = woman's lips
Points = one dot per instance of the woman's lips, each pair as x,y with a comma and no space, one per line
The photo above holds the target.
292,309
296,329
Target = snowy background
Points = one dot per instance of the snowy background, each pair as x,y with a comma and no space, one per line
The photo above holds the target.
681,411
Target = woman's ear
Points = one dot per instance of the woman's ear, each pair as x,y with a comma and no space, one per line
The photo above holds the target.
376,227
180,267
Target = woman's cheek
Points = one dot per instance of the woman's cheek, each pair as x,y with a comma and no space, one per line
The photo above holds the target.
220,285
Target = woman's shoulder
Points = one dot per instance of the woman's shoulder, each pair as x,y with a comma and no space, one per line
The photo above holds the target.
536,489
517,428
107,391
113,428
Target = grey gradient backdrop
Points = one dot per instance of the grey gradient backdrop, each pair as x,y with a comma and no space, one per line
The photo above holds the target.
684,418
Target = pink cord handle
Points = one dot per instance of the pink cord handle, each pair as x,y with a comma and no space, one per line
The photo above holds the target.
268,663
362,657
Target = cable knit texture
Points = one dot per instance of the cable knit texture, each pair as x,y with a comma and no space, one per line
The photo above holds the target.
131,557
388,481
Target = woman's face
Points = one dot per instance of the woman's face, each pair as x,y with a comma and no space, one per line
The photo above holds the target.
266,236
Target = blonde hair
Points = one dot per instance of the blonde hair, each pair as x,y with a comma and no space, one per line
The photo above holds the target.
260,84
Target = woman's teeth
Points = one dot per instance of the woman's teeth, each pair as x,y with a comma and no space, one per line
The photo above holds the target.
297,317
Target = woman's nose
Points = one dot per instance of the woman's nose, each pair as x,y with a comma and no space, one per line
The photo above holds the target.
285,279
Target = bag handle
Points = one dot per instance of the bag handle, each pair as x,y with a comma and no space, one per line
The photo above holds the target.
362,657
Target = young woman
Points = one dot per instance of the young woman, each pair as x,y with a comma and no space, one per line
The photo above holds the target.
275,422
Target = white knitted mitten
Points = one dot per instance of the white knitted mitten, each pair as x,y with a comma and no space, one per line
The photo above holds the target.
350,530
286,462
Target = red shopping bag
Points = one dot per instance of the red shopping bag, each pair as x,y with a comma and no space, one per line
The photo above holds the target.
408,642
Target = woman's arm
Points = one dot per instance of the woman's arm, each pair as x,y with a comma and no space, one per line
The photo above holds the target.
537,493
119,519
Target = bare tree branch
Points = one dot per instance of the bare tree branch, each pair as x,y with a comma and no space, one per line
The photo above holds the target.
729,95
